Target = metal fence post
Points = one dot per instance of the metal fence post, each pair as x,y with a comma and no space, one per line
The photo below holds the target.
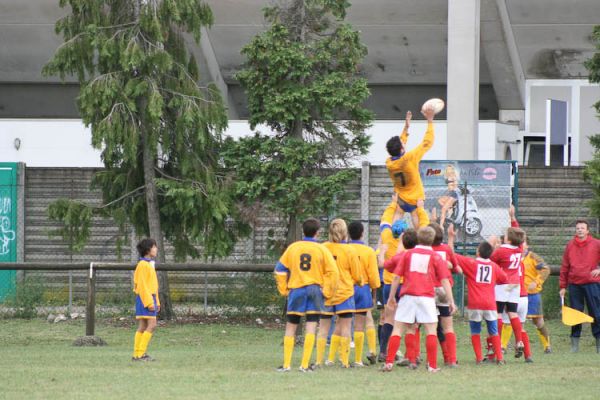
90,314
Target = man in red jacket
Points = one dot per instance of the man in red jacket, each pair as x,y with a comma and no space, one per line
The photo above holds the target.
580,274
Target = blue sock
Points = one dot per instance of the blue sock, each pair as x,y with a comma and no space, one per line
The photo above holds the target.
386,332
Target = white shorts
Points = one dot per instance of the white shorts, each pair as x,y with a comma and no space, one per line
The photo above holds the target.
441,299
478,315
508,293
419,309
521,310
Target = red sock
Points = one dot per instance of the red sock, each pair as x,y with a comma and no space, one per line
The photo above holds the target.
490,345
527,349
393,346
444,346
476,341
451,346
497,345
431,346
517,328
500,327
410,348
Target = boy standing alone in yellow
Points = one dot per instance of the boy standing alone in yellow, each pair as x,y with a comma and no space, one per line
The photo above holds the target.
147,304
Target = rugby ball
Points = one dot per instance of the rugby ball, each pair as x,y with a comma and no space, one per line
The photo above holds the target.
436,104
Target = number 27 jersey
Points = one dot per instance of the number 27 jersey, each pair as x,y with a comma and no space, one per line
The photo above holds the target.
509,258
482,276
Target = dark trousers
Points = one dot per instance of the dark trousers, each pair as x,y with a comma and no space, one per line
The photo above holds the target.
590,295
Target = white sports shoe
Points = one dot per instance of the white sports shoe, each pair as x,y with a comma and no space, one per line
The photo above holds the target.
432,370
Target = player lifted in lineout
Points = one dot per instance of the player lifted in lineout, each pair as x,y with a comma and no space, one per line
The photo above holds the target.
403,167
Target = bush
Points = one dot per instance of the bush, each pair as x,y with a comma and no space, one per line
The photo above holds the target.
29,294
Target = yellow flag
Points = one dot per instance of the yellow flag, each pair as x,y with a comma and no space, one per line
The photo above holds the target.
571,317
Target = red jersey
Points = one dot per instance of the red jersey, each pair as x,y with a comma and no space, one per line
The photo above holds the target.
447,254
482,276
522,282
508,257
420,267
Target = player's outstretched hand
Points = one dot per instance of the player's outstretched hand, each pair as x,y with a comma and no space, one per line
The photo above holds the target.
434,216
451,232
511,213
408,119
428,113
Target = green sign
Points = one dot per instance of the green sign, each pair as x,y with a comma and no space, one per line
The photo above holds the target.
8,225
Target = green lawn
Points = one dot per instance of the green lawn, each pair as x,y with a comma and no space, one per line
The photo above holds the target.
37,361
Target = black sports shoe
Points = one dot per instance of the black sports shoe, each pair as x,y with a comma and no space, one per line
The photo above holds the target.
519,349
372,358
146,357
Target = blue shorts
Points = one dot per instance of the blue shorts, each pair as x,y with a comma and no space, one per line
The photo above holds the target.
305,300
142,312
363,301
534,308
345,307
405,206
386,292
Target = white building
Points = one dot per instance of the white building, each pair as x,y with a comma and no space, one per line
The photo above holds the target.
494,61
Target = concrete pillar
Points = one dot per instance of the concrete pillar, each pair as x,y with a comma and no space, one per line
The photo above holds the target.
463,78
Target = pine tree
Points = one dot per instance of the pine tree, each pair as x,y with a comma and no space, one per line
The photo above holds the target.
158,129
301,77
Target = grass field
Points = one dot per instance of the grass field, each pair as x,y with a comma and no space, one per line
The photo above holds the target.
227,361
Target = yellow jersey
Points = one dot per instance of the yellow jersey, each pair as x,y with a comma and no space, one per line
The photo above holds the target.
368,264
404,170
304,263
392,243
535,270
387,218
349,268
145,282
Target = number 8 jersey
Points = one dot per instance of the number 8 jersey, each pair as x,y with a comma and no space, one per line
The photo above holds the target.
482,276
304,263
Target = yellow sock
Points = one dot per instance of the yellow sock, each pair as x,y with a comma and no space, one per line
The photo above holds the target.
359,343
507,332
288,350
372,340
545,341
309,344
321,344
146,336
136,344
345,351
333,347
423,217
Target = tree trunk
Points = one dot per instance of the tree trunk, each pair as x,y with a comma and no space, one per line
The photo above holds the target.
166,308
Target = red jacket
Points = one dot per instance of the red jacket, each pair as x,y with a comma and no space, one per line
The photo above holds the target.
579,259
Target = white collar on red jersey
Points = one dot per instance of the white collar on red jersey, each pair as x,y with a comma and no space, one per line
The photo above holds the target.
483,259
423,247
509,246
